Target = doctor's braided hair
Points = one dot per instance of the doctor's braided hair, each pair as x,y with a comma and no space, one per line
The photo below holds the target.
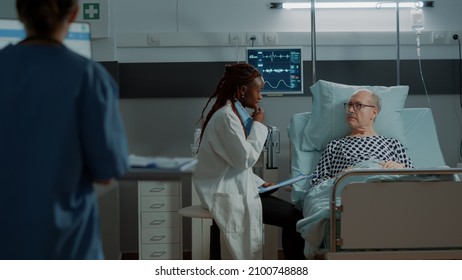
235,75
44,16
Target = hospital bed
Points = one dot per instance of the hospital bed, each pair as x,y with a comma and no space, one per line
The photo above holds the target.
387,220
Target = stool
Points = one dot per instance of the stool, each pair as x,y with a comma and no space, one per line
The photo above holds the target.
197,211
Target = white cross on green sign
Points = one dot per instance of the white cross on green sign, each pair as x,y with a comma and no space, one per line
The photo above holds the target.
91,11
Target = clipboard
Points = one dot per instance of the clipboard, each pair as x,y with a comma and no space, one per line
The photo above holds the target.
284,183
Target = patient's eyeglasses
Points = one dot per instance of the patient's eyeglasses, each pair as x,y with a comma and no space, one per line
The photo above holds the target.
356,106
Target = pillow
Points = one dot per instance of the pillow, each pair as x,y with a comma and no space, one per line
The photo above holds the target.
328,113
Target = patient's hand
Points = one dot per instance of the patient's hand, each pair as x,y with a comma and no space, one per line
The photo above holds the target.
392,165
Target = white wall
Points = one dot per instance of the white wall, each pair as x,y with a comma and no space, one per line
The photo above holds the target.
186,24
176,21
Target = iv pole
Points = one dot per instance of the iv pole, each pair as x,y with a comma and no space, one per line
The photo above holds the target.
398,75
313,40
313,43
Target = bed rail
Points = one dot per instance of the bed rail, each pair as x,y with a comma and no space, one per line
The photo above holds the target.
367,172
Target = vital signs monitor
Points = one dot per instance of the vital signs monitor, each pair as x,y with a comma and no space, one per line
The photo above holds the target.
78,38
282,69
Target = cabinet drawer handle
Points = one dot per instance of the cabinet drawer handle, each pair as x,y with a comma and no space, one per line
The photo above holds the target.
158,205
157,222
157,237
158,254
157,189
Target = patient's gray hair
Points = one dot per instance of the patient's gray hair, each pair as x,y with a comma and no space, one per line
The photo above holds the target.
375,99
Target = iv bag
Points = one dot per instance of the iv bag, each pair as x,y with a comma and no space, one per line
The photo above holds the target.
417,17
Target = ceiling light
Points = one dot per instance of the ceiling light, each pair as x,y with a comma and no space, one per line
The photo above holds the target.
347,5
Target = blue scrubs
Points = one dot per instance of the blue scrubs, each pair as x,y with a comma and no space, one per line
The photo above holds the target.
60,129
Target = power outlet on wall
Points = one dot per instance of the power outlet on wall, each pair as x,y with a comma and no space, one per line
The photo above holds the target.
153,39
455,37
270,38
446,37
252,38
235,38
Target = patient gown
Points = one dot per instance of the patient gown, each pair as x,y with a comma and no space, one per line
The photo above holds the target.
349,151
60,129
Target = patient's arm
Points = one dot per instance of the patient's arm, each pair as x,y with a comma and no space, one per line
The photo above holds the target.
392,165
384,164
374,163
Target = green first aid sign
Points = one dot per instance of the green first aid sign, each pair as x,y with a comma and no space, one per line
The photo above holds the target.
91,11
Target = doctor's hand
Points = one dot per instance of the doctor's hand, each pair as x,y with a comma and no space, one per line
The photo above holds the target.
265,185
258,114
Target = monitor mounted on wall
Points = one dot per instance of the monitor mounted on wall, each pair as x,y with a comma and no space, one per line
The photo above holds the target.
281,67
78,38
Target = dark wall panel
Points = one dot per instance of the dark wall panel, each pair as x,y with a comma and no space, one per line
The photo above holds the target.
199,79
441,76
145,80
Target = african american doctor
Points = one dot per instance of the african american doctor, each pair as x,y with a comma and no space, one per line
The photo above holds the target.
231,143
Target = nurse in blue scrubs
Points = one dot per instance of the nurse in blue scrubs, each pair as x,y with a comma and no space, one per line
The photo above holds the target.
60,131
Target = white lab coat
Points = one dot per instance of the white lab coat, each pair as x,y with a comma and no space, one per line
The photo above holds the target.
226,184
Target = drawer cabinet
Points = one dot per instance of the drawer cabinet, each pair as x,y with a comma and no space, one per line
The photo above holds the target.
160,227
160,235
160,219
159,188
159,203
160,252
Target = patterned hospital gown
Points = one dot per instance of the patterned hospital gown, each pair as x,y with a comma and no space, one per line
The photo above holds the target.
349,151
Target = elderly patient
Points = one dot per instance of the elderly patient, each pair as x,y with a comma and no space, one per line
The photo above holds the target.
363,143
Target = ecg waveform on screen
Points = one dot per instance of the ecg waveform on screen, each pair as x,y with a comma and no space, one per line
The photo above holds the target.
281,68
278,84
275,70
271,56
